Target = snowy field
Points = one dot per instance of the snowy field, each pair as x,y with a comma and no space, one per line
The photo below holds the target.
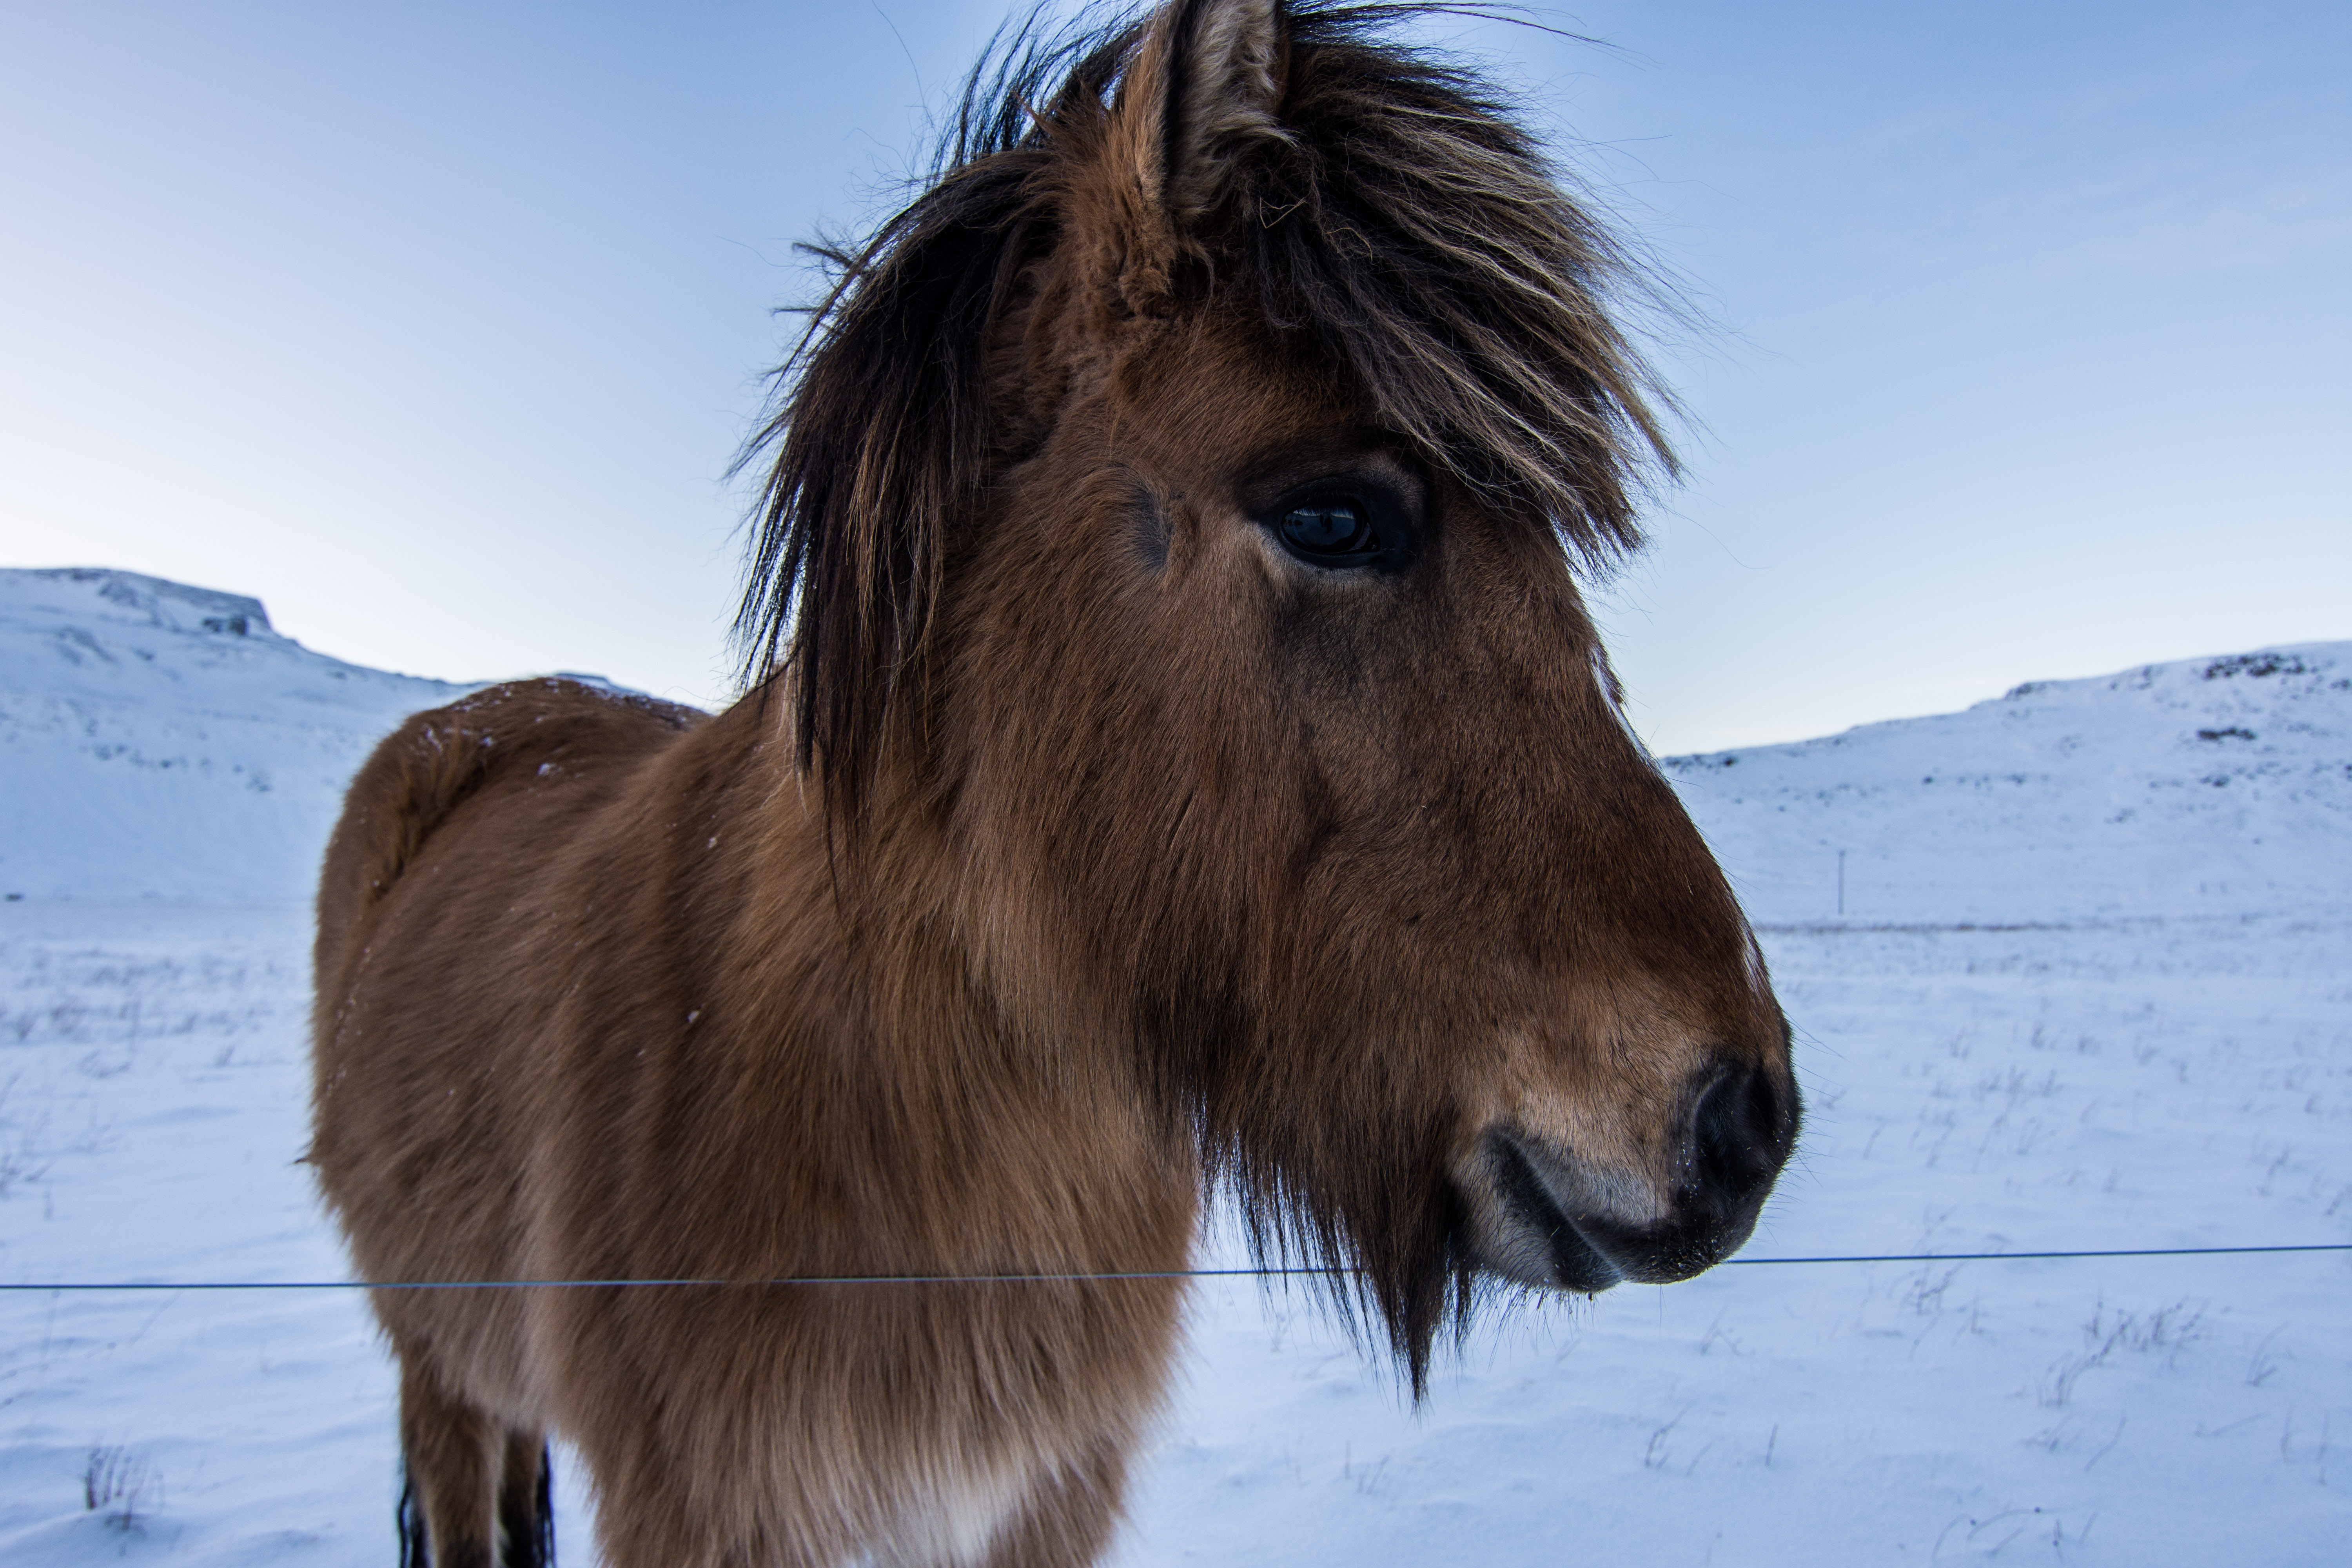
2091,988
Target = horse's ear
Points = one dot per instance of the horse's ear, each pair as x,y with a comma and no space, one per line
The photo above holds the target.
1220,90
1205,85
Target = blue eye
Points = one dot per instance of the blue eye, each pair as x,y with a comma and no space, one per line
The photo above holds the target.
1345,522
1340,526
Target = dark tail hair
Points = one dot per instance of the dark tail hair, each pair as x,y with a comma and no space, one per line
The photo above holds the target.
527,1534
408,1517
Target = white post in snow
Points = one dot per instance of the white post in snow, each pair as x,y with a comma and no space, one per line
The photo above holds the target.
1841,884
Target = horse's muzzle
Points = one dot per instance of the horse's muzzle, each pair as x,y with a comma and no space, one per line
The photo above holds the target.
1549,1217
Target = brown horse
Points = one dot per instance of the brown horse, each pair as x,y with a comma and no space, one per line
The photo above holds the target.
1178,755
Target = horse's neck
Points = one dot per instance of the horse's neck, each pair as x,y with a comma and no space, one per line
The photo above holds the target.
960,1073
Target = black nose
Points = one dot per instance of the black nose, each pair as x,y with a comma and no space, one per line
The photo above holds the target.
1743,1125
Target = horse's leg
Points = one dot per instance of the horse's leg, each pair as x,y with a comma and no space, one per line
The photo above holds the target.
448,1447
526,1512
1066,1523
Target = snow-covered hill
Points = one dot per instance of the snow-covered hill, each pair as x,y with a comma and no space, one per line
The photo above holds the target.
161,740
2090,990
2213,785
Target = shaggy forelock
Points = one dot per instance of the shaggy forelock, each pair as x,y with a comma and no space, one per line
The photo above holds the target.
1416,230
1403,221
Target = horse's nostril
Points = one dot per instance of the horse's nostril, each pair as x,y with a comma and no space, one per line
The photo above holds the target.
1740,1134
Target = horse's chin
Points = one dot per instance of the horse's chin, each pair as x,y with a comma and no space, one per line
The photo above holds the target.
1537,1217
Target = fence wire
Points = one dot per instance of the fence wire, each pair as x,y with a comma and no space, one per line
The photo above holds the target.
1083,1278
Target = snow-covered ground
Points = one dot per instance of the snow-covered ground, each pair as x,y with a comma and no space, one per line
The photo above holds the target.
2092,988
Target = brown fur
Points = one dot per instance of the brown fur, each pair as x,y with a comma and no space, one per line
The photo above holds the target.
1083,846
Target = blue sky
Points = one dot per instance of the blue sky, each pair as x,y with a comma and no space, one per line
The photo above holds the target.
436,327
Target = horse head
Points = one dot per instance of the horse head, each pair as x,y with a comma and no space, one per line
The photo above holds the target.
1175,530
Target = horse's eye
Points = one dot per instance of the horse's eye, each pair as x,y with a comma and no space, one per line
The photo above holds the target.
1340,527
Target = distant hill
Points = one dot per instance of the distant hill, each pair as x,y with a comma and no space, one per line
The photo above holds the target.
163,740
2217,786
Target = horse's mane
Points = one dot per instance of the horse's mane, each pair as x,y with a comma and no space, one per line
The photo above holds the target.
1406,223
